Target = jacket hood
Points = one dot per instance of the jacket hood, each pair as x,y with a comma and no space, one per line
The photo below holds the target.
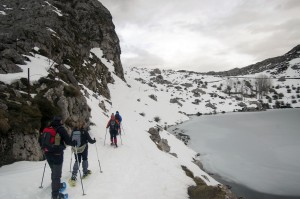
56,121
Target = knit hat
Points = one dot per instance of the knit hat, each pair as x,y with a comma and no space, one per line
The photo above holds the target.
56,118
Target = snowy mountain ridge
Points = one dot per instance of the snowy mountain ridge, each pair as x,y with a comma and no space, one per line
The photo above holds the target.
278,65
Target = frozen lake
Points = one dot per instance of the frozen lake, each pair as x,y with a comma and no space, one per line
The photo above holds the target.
258,150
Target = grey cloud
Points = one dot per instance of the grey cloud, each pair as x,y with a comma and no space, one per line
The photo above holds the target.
143,58
255,30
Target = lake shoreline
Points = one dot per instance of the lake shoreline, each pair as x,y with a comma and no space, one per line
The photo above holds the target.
209,138
243,192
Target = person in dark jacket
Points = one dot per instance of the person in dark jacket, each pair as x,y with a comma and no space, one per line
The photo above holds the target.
119,119
82,150
55,157
114,127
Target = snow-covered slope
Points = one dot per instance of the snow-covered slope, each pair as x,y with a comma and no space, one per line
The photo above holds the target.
137,168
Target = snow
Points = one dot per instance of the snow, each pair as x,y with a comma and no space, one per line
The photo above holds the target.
108,63
2,13
36,48
38,65
137,168
56,10
294,61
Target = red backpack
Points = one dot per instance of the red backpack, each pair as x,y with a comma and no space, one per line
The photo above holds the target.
50,140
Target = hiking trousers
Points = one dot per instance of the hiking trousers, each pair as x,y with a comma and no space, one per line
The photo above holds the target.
55,162
113,136
85,164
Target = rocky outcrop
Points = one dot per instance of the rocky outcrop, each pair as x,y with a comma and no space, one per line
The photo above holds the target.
19,146
162,144
154,135
66,33
201,190
175,100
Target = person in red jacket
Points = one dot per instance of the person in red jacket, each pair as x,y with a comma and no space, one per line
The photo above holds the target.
114,127
55,155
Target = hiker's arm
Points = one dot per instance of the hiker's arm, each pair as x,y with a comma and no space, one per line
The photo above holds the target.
89,139
65,136
107,124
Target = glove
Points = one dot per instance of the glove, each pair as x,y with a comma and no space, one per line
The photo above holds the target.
94,140
74,143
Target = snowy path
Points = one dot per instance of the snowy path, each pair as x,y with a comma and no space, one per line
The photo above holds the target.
136,169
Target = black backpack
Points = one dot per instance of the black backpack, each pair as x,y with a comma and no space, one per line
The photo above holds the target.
113,125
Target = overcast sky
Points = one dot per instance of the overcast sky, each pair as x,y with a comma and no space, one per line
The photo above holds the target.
204,35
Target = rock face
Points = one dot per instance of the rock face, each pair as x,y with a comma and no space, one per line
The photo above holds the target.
162,144
155,137
64,32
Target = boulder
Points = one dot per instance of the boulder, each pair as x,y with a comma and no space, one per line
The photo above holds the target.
163,145
155,137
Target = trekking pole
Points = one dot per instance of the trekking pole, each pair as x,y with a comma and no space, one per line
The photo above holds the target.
122,128
71,161
43,176
105,137
98,158
79,170
121,138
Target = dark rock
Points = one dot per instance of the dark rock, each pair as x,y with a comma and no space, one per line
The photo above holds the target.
210,105
175,100
154,97
155,137
163,145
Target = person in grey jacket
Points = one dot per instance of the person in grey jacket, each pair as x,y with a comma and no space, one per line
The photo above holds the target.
82,150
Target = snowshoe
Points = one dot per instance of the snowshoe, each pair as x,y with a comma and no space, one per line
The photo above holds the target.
61,196
72,181
63,187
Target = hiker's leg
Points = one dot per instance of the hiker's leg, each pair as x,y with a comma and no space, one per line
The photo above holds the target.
85,163
115,137
111,136
55,163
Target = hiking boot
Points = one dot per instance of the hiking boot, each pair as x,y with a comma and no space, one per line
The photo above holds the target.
116,145
111,144
62,187
87,173
73,178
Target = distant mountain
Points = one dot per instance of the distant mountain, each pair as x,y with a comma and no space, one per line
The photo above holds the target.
278,65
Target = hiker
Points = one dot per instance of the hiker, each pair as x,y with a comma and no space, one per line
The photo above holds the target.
119,119
53,140
114,127
82,137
